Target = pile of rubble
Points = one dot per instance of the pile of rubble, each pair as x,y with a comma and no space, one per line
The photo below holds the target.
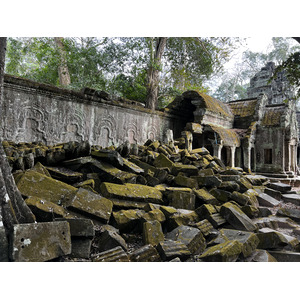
155,202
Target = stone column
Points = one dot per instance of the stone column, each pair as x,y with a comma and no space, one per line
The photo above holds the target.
217,149
188,137
232,156
247,159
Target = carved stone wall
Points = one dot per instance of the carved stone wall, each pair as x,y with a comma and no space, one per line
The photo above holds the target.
37,112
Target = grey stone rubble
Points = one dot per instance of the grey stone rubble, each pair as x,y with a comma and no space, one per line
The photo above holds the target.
158,202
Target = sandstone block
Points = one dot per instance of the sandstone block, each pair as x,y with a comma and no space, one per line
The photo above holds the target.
146,253
266,200
127,220
220,195
39,242
182,199
260,255
152,233
109,239
281,187
3,245
169,249
181,180
113,255
285,256
207,181
205,197
292,198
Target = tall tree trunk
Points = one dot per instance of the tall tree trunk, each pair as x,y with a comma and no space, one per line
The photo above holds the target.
153,73
63,71
13,208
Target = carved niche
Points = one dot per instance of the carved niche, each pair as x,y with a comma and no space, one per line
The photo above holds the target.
104,133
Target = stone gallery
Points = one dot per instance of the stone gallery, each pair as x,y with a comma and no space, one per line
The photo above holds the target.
87,177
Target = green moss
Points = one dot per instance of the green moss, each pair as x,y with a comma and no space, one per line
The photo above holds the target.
243,108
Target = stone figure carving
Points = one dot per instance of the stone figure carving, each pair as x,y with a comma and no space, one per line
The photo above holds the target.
105,132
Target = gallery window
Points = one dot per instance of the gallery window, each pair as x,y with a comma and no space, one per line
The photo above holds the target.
268,156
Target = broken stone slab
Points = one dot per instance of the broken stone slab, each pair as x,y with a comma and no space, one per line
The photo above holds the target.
220,195
182,199
252,194
278,186
131,167
64,174
131,192
207,181
265,222
127,220
272,239
205,211
111,156
228,251
229,186
188,170
251,211
38,167
109,239
38,242
154,215
206,228
45,211
163,161
264,212
3,245
273,193
285,256
181,180
169,249
81,248
266,200
38,185
216,220
292,213
257,179
91,204
125,204
260,255
143,165
146,253
113,255
205,197
240,198
292,198
244,185
248,240
236,217
201,151
80,227
152,232
190,236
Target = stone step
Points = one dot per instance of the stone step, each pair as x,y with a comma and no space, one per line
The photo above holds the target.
267,200
292,198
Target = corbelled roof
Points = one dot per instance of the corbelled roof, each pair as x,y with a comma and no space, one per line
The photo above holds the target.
272,116
243,108
228,136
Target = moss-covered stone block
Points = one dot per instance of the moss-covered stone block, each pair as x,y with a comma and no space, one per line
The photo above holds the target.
188,170
132,192
205,210
90,204
162,161
228,251
190,236
169,249
208,181
181,180
128,220
244,185
146,253
65,175
38,167
116,254
38,185
154,215
205,197
236,217
39,242
152,233
45,211
182,199
220,195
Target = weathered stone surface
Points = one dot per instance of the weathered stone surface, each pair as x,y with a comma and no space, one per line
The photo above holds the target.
181,180
285,256
205,197
229,186
38,167
37,185
109,239
81,247
251,211
3,245
191,237
261,256
216,220
45,211
113,255
127,220
91,204
220,195
241,199
271,239
234,215
126,204
131,167
273,193
154,215
244,185
294,214
110,156
80,227
248,240
292,198
189,170
39,242
205,211
252,194
152,233
208,181
266,200
65,175
168,210
146,253
281,187
163,161
169,249
132,192
205,227
182,199
228,251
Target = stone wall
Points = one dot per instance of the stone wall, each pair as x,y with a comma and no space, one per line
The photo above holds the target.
39,112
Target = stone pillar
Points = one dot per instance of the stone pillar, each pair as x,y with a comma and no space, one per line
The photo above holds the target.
188,137
232,156
247,159
217,149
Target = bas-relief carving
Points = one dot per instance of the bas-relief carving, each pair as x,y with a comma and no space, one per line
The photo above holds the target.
104,133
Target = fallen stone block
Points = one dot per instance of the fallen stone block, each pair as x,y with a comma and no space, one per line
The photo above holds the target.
278,186
131,192
126,204
205,211
188,170
163,161
3,246
292,213
154,215
109,239
234,178
248,240
168,210
169,249
64,175
191,237
240,198
39,242
110,156
143,165
81,247
266,200
38,167
207,181
229,186
251,211
127,220
152,233
252,194
273,193
181,180
272,239
244,185
91,204
292,198
220,195
37,185
182,199
216,220
206,228
228,251
205,197
264,212
131,167
285,256
260,255
146,253
235,216
113,255
45,211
